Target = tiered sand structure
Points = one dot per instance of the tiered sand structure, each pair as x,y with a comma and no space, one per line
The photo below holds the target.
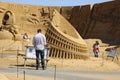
65,41
18,19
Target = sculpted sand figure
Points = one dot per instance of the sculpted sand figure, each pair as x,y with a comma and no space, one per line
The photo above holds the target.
8,23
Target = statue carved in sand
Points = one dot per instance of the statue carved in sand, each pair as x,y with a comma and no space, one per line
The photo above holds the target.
8,24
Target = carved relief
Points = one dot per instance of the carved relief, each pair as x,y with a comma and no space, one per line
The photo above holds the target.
8,23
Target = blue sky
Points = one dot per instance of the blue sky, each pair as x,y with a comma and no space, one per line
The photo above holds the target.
56,2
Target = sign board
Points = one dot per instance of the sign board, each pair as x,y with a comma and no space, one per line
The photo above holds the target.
30,52
112,53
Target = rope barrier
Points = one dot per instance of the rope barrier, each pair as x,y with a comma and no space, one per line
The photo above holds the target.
13,72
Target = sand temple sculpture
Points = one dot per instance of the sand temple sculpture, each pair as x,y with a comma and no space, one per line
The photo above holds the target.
64,40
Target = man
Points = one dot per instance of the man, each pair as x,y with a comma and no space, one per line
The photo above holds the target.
39,42
96,49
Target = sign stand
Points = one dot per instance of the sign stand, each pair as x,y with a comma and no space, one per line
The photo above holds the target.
30,54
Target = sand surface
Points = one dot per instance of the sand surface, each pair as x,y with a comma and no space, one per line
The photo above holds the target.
91,64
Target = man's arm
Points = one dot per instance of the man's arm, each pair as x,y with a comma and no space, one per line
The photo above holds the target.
44,39
33,41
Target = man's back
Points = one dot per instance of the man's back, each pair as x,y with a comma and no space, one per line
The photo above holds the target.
39,41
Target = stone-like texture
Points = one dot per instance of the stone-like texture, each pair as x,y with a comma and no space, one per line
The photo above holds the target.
64,40
98,21
101,21
5,35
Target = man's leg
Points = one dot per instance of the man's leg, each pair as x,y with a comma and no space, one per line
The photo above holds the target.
42,59
96,54
37,59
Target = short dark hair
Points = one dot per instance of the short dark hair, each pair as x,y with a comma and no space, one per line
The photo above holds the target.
39,30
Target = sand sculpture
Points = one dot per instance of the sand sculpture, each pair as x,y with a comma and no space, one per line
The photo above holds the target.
8,24
64,40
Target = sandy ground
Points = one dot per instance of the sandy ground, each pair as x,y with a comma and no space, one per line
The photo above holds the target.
91,64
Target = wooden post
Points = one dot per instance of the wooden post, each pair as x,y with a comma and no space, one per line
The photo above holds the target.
55,73
17,61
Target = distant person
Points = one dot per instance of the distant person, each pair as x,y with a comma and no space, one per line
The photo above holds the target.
25,36
39,42
96,49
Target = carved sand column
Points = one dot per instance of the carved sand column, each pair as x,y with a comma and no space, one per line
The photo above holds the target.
55,50
57,53
71,55
61,54
51,52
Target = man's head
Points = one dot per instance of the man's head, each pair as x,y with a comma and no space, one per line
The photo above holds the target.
39,30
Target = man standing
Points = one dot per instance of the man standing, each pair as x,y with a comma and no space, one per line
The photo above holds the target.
39,42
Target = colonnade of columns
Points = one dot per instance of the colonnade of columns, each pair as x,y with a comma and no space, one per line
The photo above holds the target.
62,47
